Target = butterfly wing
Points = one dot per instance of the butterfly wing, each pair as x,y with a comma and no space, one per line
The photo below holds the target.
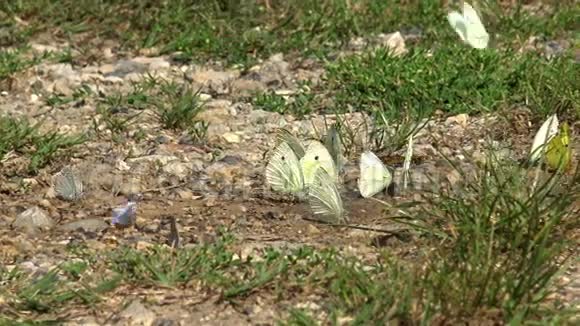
333,144
374,175
285,136
558,152
125,216
283,171
324,198
546,132
78,186
67,185
477,36
317,156
458,24
120,216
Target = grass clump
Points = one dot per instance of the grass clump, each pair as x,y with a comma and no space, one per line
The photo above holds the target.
59,286
498,243
18,59
481,81
177,106
79,95
299,104
20,136
12,61
160,266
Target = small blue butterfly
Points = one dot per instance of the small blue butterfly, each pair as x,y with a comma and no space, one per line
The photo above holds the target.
125,216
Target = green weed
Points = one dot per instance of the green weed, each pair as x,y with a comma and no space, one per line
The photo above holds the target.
19,136
498,242
243,30
482,81
79,94
198,132
50,291
270,101
12,61
15,134
114,118
177,106
299,317
299,104
44,148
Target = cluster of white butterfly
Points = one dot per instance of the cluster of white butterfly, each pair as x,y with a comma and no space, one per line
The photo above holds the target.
469,27
68,186
314,172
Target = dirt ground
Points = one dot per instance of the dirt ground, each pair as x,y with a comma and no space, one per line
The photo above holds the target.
210,186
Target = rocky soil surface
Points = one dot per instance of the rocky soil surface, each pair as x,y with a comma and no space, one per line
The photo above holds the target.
207,185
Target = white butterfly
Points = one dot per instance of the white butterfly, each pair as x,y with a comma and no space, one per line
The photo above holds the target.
548,130
469,27
285,136
333,144
67,185
407,163
324,197
317,156
283,171
125,216
374,175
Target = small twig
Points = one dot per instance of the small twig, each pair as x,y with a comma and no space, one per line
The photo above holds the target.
262,239
163,188
36,115
352,226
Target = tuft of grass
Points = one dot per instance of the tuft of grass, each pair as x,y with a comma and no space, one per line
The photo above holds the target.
18,59
299,317
382,134
165,267
498,242
44,148
54,289
177,106
198,132
12,61
79,94
377,292
298,105
114,119
15,134
18,135
481,81
24,322
270,101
